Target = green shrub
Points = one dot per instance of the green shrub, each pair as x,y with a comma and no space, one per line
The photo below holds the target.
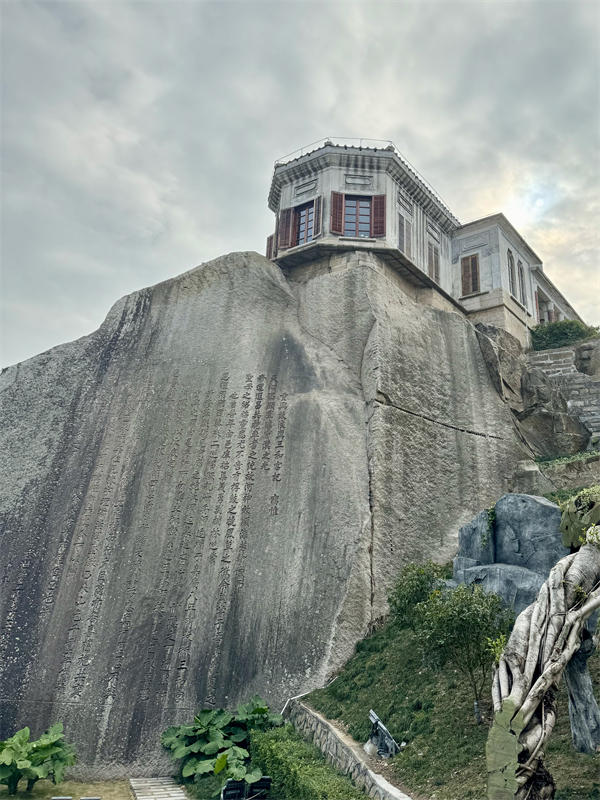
455,627
216,743
298,769
414,585
46,757
558,334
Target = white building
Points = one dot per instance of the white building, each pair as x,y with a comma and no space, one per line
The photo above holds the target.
357,196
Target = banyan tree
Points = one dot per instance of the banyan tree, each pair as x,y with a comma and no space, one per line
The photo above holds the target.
545,638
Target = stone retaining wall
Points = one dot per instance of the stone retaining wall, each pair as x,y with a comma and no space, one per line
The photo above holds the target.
341,750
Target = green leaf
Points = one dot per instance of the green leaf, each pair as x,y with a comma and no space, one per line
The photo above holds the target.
23,763
221,762
180,751
210,748
205,717
252,777
205,765
189,768
239,752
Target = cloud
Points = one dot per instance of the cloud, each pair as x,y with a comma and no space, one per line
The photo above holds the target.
139,138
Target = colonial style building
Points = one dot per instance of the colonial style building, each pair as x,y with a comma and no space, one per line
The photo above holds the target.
334,198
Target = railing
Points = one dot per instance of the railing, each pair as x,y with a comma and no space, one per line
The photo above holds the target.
362,144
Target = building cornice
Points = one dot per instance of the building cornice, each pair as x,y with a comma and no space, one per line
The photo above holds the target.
508,228
372,159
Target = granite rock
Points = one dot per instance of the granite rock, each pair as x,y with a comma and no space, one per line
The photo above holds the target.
211,495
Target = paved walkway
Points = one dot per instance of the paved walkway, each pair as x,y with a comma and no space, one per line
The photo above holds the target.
156,789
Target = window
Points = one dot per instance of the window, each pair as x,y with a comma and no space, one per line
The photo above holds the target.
433,261
299,225
511,274
404,235
470,274
361,216
522,292
357,216
304,222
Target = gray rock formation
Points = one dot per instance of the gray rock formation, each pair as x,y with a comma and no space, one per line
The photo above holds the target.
210,495
540,408
512,555
587,358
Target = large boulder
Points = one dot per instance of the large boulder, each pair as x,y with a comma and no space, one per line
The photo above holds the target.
587,358
211,495
511,549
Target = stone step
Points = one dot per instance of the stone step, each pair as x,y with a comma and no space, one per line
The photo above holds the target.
156,789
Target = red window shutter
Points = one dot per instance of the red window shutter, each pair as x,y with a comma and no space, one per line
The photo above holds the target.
317,216
401,240
270,246
465,265
285,228
378,215
475,273
408,238
337,213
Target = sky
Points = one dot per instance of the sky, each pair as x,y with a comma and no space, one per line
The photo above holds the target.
138,138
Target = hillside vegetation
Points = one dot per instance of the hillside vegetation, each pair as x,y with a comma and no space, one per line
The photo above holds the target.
432,711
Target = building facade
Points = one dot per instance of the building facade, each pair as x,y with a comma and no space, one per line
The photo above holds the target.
336,197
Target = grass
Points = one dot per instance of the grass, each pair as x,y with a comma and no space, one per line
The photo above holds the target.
444,758
107,790
586,455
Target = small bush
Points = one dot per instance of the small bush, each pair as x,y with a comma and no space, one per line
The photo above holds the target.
46,757
414,585
559,334
298,769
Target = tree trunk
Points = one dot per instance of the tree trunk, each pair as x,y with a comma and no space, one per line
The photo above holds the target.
543,641
584,713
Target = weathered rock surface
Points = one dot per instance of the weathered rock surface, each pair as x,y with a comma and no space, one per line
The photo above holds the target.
210,495
541,411
513,556
587,358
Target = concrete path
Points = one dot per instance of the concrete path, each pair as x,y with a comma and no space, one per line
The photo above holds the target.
156,789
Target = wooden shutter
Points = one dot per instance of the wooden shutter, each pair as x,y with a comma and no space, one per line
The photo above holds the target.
378,215
401,240
436,264
337,213
408,238
270,246
285,228
475,273
537,306
430,259
317,216
465,266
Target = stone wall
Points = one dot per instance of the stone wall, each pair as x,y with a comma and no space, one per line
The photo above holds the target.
342,751
582,390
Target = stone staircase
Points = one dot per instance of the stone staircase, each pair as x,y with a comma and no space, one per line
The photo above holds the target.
581,391
560,361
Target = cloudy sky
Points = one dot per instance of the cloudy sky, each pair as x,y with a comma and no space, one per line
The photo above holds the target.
139,138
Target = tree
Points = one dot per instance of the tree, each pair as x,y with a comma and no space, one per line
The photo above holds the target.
543,641
47,757
414,585
457,626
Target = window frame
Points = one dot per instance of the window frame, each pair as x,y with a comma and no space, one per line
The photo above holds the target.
472,277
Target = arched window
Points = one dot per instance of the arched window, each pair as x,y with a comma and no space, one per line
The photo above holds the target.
522,294
511,274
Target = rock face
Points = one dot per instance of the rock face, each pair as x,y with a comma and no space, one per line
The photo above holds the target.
512,551
210,495
541,411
